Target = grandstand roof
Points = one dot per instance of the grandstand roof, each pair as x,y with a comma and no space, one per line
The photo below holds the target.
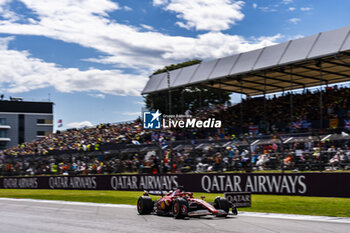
323,58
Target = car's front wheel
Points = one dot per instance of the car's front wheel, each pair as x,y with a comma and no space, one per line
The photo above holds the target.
144,205
180,208
223,204
234,210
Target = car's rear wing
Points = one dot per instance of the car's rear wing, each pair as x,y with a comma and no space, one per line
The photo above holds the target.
156,193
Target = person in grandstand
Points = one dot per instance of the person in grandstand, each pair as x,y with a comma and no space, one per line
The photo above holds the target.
262,160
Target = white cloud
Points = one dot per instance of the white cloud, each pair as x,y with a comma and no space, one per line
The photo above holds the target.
147,27
79,124
159,2
127,8
125,46
305,9
205,46
101,96
255,5
131,113
294,20
4,41
139,102
4,2
267,9
286,2
292,37
20,72
5,11
277,7
128,113
204,14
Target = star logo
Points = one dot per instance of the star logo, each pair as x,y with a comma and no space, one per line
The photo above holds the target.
151,120
156,115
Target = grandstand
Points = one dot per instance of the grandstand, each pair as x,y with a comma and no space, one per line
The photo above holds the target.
304,131
306,62
316,60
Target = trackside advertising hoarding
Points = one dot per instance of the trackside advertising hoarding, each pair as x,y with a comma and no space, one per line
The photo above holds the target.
303,184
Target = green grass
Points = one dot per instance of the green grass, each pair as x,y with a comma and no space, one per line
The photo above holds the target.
338,207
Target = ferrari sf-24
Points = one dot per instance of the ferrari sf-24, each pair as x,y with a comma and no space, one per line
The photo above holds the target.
181,204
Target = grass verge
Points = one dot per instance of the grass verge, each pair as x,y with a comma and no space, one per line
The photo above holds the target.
322,206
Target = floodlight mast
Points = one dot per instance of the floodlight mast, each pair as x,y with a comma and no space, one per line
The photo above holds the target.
169,92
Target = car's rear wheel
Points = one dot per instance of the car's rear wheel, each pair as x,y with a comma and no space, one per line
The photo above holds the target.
223,204
180,208
144,205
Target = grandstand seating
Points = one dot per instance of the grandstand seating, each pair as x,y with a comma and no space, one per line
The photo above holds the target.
103,149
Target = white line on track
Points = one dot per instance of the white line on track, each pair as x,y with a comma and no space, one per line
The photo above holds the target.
296,217
240,213
70,203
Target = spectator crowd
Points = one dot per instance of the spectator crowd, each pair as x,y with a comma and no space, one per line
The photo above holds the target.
299,156
275,114
252,115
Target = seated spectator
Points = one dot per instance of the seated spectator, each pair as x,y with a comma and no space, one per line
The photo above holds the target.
288,161
262,160
335,160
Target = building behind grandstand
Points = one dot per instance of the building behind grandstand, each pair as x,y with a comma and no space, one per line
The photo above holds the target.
23,121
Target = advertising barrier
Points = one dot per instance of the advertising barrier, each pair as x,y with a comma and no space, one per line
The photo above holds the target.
239,199
302,184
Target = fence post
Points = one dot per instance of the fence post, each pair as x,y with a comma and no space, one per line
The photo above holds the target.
161,155
321,155
283,156
250,154
171,157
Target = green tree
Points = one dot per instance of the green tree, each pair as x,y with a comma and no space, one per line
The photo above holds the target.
177,66
182,99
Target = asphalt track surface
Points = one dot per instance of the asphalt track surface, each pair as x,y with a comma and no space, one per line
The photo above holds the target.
17,216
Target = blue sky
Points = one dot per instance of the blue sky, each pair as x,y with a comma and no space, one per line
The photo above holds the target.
92,57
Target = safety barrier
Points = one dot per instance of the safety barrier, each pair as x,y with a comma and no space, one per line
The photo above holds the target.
301,184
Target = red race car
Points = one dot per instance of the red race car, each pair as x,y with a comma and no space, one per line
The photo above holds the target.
182,204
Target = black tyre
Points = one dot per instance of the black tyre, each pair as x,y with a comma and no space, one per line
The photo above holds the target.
180,208
223,204
144,205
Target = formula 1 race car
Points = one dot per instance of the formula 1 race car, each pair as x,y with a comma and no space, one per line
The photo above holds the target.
182,204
